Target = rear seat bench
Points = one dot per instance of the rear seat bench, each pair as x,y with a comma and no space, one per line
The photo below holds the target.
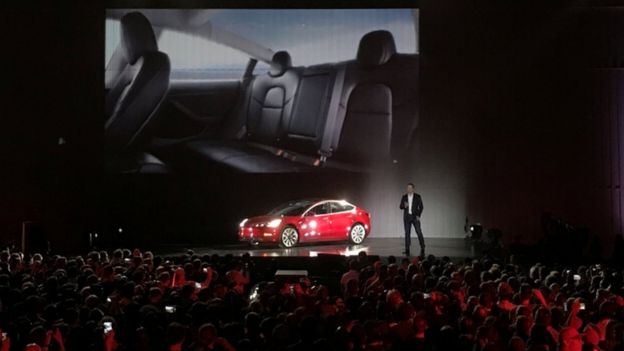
353,116
268,106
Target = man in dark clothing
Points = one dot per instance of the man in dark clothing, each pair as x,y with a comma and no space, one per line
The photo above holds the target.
412,206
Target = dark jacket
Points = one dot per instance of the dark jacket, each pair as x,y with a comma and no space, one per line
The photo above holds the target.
417,205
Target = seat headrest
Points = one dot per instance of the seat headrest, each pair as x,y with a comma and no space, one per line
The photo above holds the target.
137,36
280,63
376,48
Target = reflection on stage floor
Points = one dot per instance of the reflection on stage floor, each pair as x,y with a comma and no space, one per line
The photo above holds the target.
451,247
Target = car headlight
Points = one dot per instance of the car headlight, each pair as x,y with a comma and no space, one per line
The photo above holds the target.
243,223
274,223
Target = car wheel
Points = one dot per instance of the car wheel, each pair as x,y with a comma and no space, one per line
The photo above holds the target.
254,243
289,237
357,234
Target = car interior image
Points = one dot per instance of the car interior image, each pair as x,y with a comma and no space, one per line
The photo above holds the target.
230,90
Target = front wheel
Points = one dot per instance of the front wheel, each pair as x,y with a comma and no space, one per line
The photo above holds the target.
289,237
357,234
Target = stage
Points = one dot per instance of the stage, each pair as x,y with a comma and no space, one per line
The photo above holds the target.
455,248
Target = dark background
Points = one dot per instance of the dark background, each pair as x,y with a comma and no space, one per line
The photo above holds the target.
520,115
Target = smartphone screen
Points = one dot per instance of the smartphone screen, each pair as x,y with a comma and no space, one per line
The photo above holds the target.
577,277
582,305
170,309
108,327
198,286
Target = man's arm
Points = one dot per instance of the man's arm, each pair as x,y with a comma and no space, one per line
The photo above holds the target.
419,206
402,204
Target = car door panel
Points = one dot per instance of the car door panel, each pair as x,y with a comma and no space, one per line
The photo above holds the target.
320,227
341,222
194,107
317,223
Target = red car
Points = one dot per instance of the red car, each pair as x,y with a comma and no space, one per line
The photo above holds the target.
306,221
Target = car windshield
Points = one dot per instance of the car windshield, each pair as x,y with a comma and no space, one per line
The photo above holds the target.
291,208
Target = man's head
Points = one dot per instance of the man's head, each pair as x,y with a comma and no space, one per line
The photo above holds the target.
207,334
410,188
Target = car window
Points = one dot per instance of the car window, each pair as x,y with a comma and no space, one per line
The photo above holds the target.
292,208
315,36
319,209
112,38
261,68
311,36
191,57
340,207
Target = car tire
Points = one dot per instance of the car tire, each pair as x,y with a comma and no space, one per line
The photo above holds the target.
289,237
357,234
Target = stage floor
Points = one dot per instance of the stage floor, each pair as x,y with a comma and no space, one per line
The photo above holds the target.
384,247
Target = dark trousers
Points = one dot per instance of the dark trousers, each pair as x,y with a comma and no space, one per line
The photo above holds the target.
408,222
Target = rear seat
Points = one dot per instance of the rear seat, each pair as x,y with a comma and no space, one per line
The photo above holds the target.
378,107
266,111
271,101
288,121
305,127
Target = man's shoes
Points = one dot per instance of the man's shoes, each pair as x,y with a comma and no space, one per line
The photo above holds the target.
422,253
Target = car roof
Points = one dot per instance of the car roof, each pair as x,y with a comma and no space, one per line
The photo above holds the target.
197,22
320,201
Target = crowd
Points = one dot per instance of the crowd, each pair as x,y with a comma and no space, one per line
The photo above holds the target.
139,301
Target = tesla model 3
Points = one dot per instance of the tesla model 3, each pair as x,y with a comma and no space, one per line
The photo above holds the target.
307,221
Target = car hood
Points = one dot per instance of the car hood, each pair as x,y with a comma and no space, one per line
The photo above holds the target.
261,220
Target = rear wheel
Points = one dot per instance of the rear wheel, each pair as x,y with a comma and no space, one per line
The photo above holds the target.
357,234
289,237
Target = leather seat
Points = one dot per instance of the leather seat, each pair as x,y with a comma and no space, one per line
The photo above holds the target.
271,100
366,132
288,110
138,90
267,113
378,111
